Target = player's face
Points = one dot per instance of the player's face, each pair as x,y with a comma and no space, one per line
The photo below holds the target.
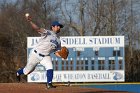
56,29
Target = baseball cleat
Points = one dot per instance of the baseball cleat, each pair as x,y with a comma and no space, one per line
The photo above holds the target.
49,85
18,77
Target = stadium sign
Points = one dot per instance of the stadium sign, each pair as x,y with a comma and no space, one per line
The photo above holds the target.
91,59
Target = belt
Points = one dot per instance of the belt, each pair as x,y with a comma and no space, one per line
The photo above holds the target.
39,54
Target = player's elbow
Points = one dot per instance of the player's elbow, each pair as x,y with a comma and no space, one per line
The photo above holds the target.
40,30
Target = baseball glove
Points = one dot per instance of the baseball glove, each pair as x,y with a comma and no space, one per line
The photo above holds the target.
64,52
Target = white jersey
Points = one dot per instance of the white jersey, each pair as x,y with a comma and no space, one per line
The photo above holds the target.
48,43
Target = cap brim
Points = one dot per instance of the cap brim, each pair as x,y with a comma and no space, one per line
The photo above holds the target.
61,26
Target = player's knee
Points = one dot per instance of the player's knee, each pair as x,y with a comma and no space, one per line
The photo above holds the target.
26,72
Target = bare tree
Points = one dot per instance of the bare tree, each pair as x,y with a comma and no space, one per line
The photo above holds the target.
15,30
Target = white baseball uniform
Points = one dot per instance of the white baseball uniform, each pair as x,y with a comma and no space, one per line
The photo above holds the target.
48,43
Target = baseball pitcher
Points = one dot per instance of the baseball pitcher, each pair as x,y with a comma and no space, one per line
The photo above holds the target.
40,54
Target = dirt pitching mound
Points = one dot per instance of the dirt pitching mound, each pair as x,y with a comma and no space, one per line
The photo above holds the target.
41,88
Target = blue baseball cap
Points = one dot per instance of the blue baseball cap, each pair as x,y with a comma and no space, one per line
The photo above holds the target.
56,23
